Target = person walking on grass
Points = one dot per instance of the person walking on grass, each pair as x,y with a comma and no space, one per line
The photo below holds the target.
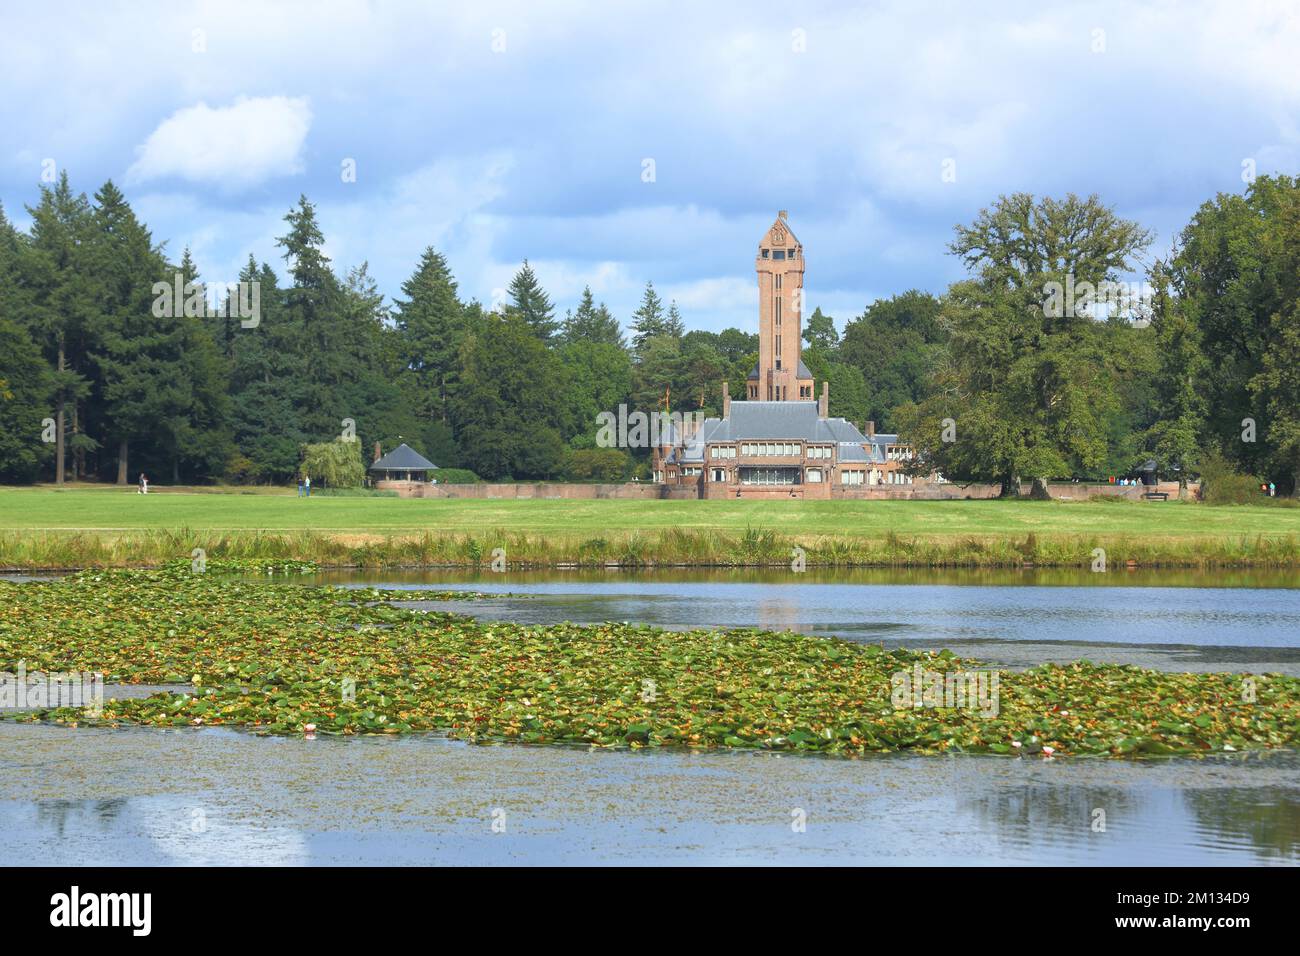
300,486
307,484
144,484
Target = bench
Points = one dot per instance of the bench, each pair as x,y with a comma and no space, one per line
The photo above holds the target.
1156,495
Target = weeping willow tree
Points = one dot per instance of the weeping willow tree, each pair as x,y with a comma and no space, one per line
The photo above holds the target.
333,464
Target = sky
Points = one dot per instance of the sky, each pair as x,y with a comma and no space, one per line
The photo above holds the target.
612,143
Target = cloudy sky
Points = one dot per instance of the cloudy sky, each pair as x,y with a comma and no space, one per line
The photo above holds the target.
611,143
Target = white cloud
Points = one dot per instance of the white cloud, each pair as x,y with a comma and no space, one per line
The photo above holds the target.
254,139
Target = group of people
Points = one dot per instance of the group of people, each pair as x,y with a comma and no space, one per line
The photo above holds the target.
1269,489
304,486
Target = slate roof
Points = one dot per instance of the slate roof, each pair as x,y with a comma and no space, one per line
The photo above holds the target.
803,372
783,421
403,458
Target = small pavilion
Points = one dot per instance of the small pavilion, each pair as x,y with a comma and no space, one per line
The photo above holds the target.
403,463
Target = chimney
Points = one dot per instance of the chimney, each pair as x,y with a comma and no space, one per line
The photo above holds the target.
824,403
871,428
781,214
378,452
726,401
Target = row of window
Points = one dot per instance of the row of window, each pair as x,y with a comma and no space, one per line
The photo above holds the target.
778,254
769,449
769,476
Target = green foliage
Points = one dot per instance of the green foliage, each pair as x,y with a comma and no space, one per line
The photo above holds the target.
456,476
508,411
532,304
1023,386
335,464
251,649
896,345
596,464
1221,484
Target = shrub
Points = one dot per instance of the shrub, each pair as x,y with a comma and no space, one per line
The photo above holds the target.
595,464
1223,485
456,476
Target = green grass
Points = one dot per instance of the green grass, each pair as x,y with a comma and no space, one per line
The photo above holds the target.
114,509
44,527
284,658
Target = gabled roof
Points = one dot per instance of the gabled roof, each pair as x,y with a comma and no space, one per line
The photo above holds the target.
403,458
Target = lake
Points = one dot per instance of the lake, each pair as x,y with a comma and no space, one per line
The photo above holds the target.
219,796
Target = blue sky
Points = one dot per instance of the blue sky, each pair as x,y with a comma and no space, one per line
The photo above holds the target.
498,131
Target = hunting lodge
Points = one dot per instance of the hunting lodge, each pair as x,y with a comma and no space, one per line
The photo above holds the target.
781,442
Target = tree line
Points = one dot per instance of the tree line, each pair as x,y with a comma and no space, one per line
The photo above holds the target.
988,380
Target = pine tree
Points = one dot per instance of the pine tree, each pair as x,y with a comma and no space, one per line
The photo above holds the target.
533,305
593,323
431,327
648,320
61,301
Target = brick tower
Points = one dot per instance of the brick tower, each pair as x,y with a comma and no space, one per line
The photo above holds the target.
781,374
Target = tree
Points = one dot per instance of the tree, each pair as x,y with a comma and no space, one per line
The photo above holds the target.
533,304
1023,388
592,323
431,326
648,320
820,332
62,304
896,344
335,464
1175,438
508,410
25,389
1237,277
599,377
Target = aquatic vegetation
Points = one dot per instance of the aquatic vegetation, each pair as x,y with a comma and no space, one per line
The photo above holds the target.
282,657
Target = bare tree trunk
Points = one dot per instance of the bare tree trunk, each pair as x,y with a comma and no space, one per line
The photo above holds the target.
1038,490
58,425
78,456
121,462
1010,487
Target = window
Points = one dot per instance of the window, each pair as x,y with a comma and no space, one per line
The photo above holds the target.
769,476
792,252
778,338
764,253
777,277
778,254
851,477
814,475
718,474
776,309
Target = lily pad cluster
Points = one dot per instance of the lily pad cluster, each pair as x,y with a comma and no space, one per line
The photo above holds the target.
280,657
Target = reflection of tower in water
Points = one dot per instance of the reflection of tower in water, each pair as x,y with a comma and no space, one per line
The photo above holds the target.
778,614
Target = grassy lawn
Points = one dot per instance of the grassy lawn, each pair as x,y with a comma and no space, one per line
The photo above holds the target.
115,509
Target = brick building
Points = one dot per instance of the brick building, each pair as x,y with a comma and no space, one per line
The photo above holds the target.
781,441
